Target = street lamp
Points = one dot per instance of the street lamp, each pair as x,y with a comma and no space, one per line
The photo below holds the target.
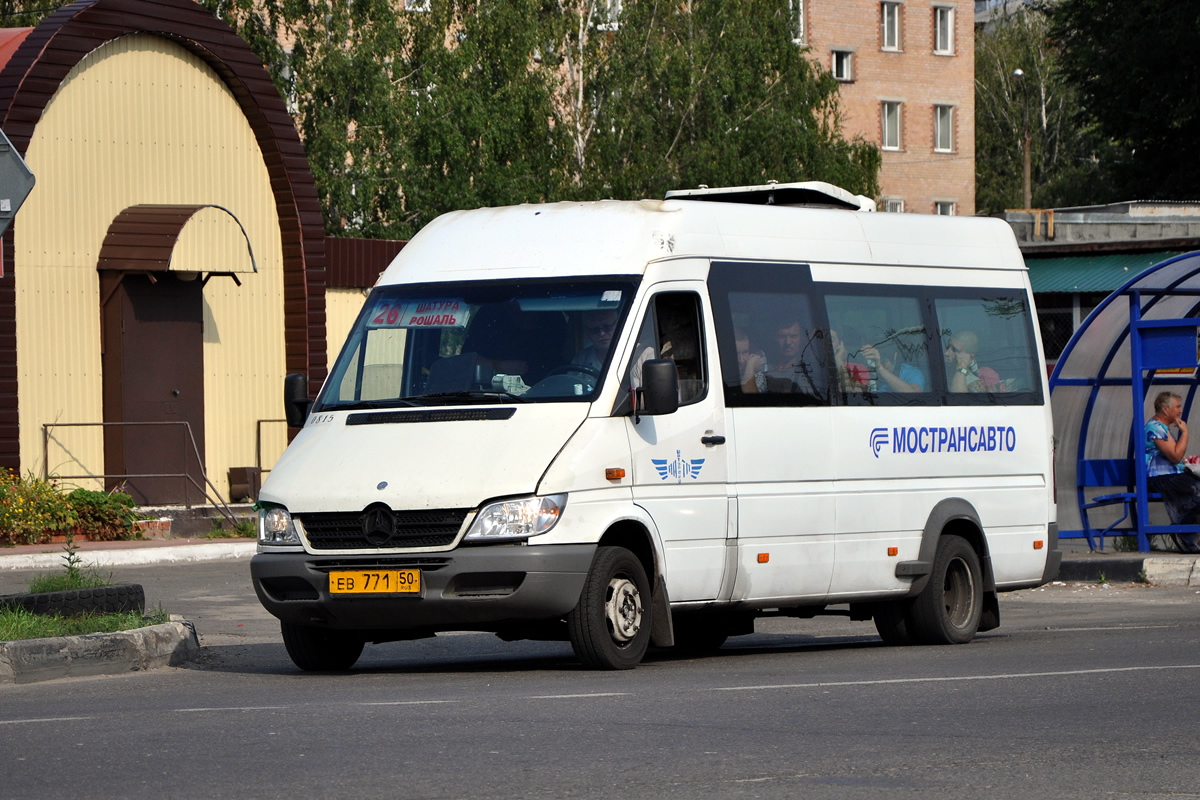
1019,75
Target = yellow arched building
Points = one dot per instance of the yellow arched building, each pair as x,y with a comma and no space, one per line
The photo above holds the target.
169,265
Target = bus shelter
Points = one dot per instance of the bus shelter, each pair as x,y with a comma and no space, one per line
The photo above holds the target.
1141,340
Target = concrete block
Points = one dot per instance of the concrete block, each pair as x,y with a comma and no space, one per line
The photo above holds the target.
1172,571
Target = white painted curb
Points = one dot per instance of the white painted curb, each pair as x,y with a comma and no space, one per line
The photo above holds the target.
184,553
1172,571
33,660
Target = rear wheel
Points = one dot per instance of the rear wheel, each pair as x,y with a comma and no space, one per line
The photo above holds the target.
949,608
321,649
610,628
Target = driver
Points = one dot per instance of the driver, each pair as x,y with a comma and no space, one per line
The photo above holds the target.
599,325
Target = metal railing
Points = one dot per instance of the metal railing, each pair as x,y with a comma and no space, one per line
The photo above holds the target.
186,478
258,442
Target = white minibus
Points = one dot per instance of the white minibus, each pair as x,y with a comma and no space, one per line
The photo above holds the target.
625,424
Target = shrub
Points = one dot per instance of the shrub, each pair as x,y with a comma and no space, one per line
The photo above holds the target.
105,516
31,509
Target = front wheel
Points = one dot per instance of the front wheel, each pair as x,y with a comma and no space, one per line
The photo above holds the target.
610,627
321,649
947,611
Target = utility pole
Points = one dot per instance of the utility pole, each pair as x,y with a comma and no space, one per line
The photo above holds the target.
1028,164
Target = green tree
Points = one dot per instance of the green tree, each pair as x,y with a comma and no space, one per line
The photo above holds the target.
1070,158
1133,64
407,115
716,93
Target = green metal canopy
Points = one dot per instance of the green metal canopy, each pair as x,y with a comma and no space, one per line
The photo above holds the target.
1090,273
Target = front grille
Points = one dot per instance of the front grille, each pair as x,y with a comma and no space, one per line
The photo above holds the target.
339,531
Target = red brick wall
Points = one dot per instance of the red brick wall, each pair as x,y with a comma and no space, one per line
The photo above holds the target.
917,78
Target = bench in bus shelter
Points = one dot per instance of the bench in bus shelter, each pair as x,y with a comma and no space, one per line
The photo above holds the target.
1097,472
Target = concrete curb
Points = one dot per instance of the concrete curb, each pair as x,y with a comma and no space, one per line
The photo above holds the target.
1160,571
32,660
121,558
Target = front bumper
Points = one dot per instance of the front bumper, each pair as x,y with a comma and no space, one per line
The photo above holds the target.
470,588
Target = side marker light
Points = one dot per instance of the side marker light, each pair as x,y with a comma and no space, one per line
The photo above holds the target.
1038,544
893,551
614,473
764,558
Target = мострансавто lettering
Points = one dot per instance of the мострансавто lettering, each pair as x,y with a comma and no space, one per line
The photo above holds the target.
962,439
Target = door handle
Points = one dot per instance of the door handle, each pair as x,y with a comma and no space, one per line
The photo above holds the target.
711,440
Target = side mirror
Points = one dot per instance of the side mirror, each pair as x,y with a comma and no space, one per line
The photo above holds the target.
295,399
660,387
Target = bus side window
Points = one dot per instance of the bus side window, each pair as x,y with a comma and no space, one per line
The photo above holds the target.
988,347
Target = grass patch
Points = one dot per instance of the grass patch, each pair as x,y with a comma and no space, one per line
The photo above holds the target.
242,529
17,623
89,578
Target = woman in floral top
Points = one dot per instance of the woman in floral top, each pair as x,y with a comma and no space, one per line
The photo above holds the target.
1165,473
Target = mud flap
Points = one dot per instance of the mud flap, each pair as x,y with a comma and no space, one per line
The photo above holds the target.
662,631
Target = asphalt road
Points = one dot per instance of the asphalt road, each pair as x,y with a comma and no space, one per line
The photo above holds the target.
1084,691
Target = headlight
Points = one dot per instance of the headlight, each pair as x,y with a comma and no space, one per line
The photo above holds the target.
517,519
275,527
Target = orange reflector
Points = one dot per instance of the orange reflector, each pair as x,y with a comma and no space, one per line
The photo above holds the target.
893,551
614,473
1038,544
764,558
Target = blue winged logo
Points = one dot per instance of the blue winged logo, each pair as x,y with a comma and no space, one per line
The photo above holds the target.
678,467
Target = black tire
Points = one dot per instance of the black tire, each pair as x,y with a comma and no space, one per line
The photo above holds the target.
119,599
320,649
610,627
893,623
948,610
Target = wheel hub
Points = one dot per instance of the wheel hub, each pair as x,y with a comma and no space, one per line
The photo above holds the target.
959,593
623,609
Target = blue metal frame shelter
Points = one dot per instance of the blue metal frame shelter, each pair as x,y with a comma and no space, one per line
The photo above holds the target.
1148,329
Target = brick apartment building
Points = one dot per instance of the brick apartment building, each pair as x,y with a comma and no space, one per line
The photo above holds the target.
907,69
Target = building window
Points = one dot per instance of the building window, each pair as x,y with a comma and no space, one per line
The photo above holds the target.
893,205
843,65
800,28
943,129
890,15
944,208
943,30
890,110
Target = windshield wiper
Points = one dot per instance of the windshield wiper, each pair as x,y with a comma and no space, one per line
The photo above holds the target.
393,403
474,394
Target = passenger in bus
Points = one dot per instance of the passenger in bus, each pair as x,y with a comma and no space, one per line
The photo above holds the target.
893,373
793,367
1165,472
966,375
852,376
750,362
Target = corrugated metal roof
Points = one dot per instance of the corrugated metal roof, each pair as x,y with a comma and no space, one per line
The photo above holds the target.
1090,273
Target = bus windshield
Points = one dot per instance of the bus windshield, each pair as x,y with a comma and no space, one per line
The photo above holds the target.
497,342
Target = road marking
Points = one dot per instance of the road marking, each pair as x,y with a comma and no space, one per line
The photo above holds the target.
409,702
574,696
234,708
1000,677
45,719
1114,628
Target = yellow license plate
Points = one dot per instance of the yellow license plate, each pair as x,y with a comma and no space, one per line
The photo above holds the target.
383,581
